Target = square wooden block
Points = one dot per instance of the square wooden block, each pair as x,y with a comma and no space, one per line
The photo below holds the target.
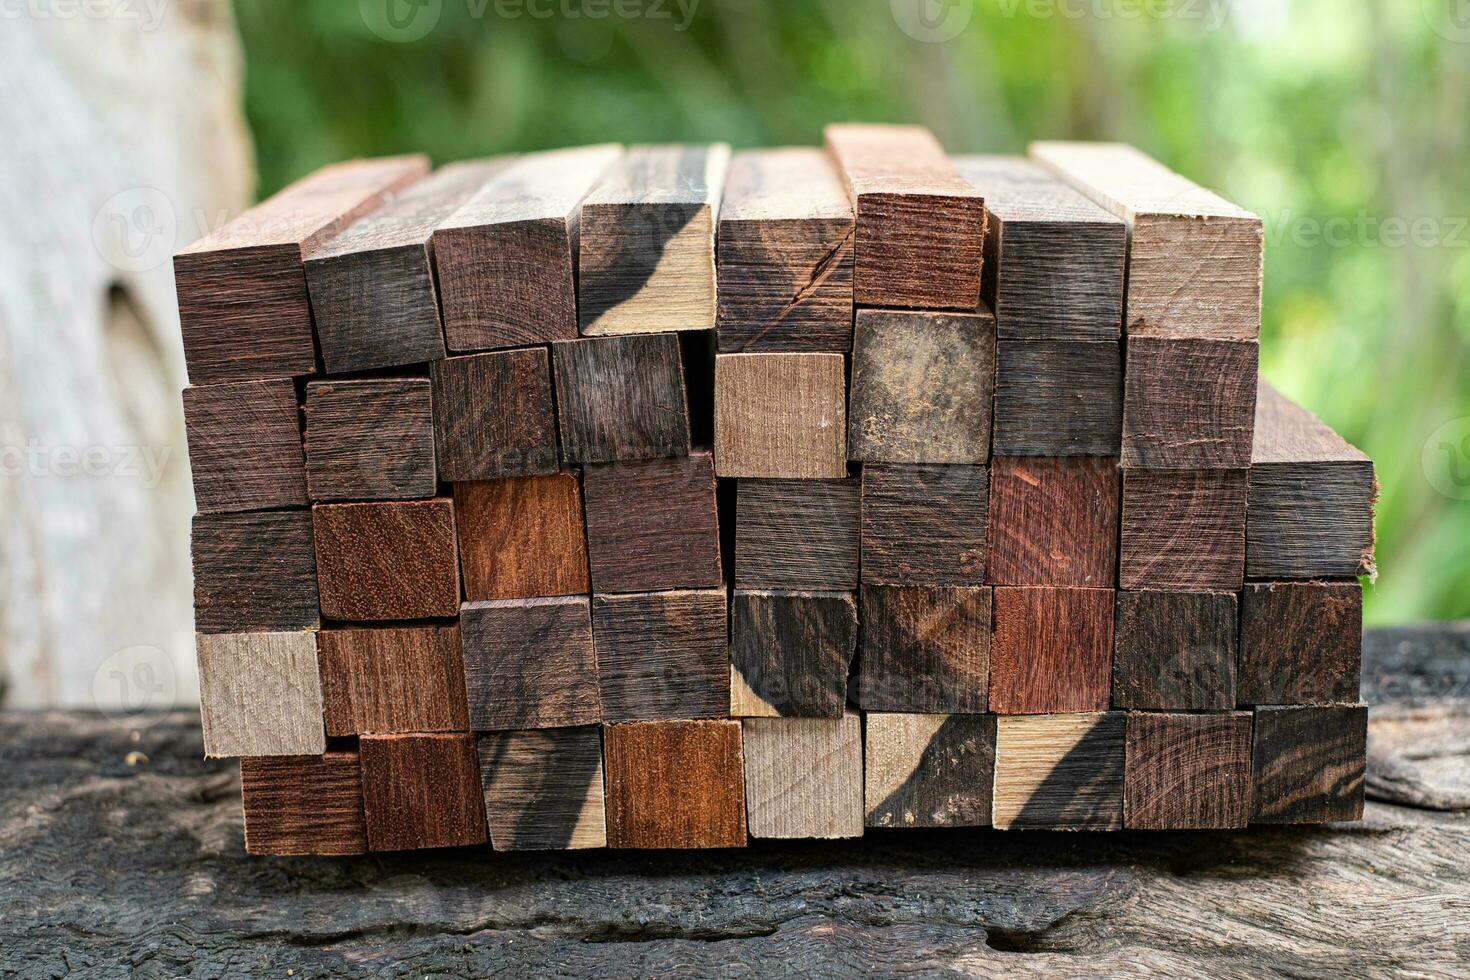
780,416
796,534
1189,403
1182,530
925,648
662,655
620,398
298,805
391,560
1300,643
1308,764
804,777
370,439
1175,651
1059,772
521,537
543,789
1053,521
653,525
924,525
260,694
1188,772
1058,398
421,791
1053,650
790,653
493,415
245,446
929,770
392,679
254,571
675,784
529,663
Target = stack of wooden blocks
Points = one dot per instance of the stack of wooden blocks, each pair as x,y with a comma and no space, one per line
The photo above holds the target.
659,497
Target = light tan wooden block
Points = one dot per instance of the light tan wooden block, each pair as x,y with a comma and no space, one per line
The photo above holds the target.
925,770
260,694
1059,772
804,776
780,415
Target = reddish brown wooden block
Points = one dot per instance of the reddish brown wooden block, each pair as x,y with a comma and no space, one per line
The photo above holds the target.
925,649
1309,764
653,525
529,663
421,791
493,415
1052,650
662,655
1182,530
370,439
1053,521
390,680
1300,643
254,571
521,537
1175,651
245,446
392,560
303,805
675,784
1189,403
924,525
1187,772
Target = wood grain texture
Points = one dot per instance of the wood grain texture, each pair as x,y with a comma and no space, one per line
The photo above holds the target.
521,537
299,805
1308,764
653,525
647,259
780,416
245,446
928,770
796,534
1310,504
370,439
790,653
373,297
1187,772
1300,643
920,226
1194,259
1175,651
1182,530
493,415
784,251
921,387
1058,398
1054,261
529,663
662,655
804,777
620,398
506,258
543,790
675,784
421,791
1189,404
924,525
1059,772
393,560
260,694
925,649
1052,650
254,571
392,680
243,305
1053,521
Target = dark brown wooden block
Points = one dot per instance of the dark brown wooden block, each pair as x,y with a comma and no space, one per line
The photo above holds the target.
421,791
1187,772
924,649
1053,521
924,525
1310,506
543,789
796,534
1300,643
1052,650
921,387
1308,764
929,770
243,304
506,259
1058,398
781,416
298,805
392,680
254,571
804,776
392,560
662,655
528,663
245,446
1189,403
785,248
1059,772
1182,530
653,525
493,415
370,439
920,226
1175,651
790,653
621,398
521,537
675,784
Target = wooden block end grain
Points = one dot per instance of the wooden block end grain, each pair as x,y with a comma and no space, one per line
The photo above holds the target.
1058,398
790,653
301,805
621,398
653,525
421,791
370,439
493,415
1053,521
796,534
392,680
522,537
1183,530
254,571
1300,643
260,694
529,663
544,789
780,416
1189,403
923,524
1059,772
925,649
1187,771
1309,764
387,560
675,784
928,770
1175,650
804,777
662,655
245,446
1052,650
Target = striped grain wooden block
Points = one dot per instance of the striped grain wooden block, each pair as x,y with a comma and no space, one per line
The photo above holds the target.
254,571
796,534
1182,530
392,679
924,525
260,694
522,537
493,415
781,416
1053,521
1058,398
1308,764
790,652
1300,643
543,789
804,777
1052,650
675,784
653,525
1175,650
1059,772
245,446
370,439
1187,771
925,649
620,398
1189,403
300,805
662,655
421,791
529,663
387,560
926,770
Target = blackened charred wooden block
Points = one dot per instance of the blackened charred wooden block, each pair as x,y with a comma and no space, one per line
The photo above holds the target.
1059,772
921,387
804,777
647,260
1187,771
260,694
1052,650
924,525
389,560
653,525
1053,521
1182,530
421,791
1175,651
920,226
675,784
780,416
529,663
1189,403
620,398
493,415
521,537
370,439
506,258
784,248
925,649
662,655
245,446
790,653
796,534
243,303
299,805
1300,643
928,770
254,571
392,680
1308,763
543,789
1058,398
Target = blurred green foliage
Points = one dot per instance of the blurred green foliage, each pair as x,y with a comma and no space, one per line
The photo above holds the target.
1342,124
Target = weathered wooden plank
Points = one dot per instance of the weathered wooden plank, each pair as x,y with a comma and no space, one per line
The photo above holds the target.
1175,651
1182,530
521,537
653,525
300,805
390,560
245,446
796,534
543,789
1308,764
924,649
675,784
1059,772
928,770
254,571
1187,771
780,416
804,777
493,415
392,680
370,439
790,653
1058,398
1189,403
1052,650
620,398
662,655
421,791
260,694
529,663
924,525
1053,521
1300,643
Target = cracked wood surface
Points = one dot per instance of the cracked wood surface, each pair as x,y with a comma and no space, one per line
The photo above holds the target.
111,867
